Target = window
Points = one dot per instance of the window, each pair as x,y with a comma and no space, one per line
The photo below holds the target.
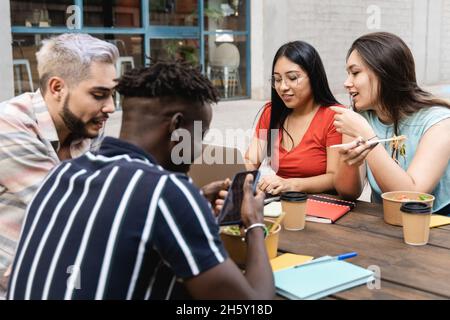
226,63
160,29
39,13
174,13
115,13
229,15
186,50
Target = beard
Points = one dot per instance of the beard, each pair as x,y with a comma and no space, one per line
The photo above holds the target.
76,126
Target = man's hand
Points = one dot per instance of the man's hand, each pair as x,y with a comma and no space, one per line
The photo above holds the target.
252,209
215,193
218,205
4,278
8,271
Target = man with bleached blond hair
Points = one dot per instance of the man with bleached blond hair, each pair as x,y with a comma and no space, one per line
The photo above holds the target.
60,121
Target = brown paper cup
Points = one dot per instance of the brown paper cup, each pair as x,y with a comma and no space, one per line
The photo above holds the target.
416,229
295,217
416,223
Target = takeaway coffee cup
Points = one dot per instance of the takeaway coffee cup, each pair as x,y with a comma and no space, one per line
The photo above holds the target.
294,205
416,222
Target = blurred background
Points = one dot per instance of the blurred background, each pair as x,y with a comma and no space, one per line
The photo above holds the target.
232,41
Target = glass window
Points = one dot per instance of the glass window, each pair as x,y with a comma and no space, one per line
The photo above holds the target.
115,13
228,15
25,65
130,50
174,13
40,13
226,37
26,77
187,50
225,56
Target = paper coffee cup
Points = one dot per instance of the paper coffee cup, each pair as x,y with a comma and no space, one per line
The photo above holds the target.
416,222
294,205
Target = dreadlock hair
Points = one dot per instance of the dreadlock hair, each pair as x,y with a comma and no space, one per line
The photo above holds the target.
164,79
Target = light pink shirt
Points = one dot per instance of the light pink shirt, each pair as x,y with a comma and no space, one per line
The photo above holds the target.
28,151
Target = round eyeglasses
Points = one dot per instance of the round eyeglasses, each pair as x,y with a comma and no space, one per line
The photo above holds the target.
291,79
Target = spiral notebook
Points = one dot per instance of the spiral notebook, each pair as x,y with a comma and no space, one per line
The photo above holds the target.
318,209
326,209
320,278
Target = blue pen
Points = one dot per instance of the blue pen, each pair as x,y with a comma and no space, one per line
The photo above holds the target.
347,256
327,259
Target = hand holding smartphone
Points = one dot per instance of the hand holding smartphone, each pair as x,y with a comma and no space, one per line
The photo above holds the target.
231,211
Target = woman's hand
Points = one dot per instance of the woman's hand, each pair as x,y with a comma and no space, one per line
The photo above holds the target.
351,123
274,184
356,152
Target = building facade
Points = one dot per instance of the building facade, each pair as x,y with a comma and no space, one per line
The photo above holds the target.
233,41
205,33
332,25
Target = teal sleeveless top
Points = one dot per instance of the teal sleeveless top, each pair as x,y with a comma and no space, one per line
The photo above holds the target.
414,127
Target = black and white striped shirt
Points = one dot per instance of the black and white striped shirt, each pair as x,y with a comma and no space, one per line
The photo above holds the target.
114,225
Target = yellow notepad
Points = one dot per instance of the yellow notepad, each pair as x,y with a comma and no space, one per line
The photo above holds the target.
438,220
288,260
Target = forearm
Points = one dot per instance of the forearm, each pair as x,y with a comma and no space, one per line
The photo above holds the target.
258,270
348,182
315,184
250,166
384,168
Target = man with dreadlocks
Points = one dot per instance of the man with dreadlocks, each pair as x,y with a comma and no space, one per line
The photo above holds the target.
126,223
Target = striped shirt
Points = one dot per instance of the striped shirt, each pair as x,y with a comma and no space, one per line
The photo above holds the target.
114,225
28,151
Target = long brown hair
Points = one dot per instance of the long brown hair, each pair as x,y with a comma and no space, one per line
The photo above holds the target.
391,60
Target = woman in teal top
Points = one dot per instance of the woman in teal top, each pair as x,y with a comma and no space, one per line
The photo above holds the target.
388,102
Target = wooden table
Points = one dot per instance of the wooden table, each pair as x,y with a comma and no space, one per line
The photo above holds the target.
407,272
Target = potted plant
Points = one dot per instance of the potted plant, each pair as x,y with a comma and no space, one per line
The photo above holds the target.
177,50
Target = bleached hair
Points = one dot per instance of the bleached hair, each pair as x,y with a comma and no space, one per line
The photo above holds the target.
69,56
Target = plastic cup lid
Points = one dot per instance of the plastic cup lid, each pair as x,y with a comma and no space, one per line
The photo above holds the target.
415,207
294,196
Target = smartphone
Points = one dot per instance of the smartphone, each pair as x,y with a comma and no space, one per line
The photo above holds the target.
231,211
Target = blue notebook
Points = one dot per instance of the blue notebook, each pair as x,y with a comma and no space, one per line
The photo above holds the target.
320,278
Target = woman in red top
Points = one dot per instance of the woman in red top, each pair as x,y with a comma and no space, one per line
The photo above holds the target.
301,123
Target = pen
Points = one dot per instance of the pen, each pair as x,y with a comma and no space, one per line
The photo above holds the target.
327,259
346,256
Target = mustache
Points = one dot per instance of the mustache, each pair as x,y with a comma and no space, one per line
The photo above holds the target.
100,119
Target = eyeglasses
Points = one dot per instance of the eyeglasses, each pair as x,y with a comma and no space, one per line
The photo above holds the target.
292,79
